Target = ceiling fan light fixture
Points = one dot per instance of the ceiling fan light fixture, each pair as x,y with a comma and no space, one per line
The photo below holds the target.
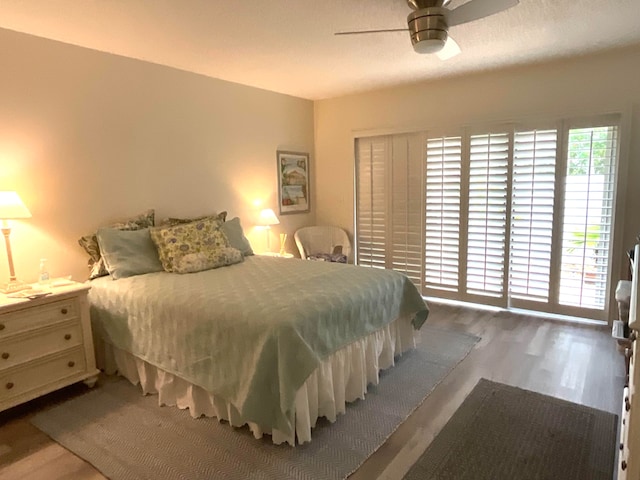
428,29
429,45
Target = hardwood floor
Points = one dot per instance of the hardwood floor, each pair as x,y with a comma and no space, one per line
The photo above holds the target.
579,363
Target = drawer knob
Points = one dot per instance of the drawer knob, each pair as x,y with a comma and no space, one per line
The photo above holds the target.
1,326
9,385
623,465
5,355
71,363
64,311
67,336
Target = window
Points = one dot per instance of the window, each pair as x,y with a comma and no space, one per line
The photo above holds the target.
512,216
487,218
371,210
532,204
588,216
442,213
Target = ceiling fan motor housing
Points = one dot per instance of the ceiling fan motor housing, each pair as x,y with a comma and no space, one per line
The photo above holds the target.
418,4
428,28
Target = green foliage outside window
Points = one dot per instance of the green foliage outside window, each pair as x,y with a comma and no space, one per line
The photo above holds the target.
589,151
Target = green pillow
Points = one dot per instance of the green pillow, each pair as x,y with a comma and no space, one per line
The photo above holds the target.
90,242
128,252
233,230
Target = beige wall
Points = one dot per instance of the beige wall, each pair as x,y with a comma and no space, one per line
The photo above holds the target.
87,137
582,86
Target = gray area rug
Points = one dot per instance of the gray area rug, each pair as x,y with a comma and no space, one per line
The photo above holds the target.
504,432
127,436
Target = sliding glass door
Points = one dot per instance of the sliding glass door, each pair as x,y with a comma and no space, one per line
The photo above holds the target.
512,217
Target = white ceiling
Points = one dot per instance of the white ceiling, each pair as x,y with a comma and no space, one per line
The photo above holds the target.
288,46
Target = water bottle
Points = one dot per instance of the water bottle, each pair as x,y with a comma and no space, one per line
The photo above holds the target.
43,279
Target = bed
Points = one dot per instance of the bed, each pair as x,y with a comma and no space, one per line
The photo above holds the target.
267,342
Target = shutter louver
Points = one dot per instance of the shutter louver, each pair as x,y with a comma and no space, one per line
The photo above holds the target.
488,176
588,216
442,213
532,202
371,202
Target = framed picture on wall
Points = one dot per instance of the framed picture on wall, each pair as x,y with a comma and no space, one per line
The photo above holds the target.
293,182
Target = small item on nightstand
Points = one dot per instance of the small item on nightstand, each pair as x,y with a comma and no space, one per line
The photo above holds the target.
31,294
43,278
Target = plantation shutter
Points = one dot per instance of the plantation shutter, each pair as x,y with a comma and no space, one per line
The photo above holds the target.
406,206
483,217
532,203
588,216
442,213
371,214
487,222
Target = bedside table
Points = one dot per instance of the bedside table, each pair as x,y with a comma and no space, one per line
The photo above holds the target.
45,344
276,254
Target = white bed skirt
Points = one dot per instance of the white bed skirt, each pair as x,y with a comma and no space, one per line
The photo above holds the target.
343,377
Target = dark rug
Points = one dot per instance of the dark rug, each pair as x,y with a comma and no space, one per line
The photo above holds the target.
503,432
127,436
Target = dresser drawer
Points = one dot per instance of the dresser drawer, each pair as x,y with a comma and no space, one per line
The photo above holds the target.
36,317
39,343
624,431
18,381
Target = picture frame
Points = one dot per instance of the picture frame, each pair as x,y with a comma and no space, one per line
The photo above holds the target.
293,182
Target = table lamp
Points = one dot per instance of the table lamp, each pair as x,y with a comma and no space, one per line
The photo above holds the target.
11,207
266,219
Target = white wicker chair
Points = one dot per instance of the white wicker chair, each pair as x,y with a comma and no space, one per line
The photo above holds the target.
322,243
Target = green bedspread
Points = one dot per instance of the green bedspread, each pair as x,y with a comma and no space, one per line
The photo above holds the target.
250,333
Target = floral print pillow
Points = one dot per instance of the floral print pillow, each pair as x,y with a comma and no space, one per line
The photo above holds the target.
192,247
207,259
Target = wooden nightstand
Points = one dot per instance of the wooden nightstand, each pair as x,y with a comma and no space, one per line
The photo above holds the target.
45,344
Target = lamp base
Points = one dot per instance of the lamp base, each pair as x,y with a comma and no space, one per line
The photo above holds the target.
283,241
14,286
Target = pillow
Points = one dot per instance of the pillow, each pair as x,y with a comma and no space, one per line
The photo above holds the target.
170,222
183,239
128,252
233,230
207,259
90,242
328,257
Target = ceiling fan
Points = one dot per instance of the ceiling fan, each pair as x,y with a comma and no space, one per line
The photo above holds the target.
430,21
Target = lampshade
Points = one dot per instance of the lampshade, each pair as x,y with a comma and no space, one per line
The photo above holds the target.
267,218
11,206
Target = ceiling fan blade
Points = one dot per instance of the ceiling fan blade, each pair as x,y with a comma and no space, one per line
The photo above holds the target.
450,50
373,31
476,9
